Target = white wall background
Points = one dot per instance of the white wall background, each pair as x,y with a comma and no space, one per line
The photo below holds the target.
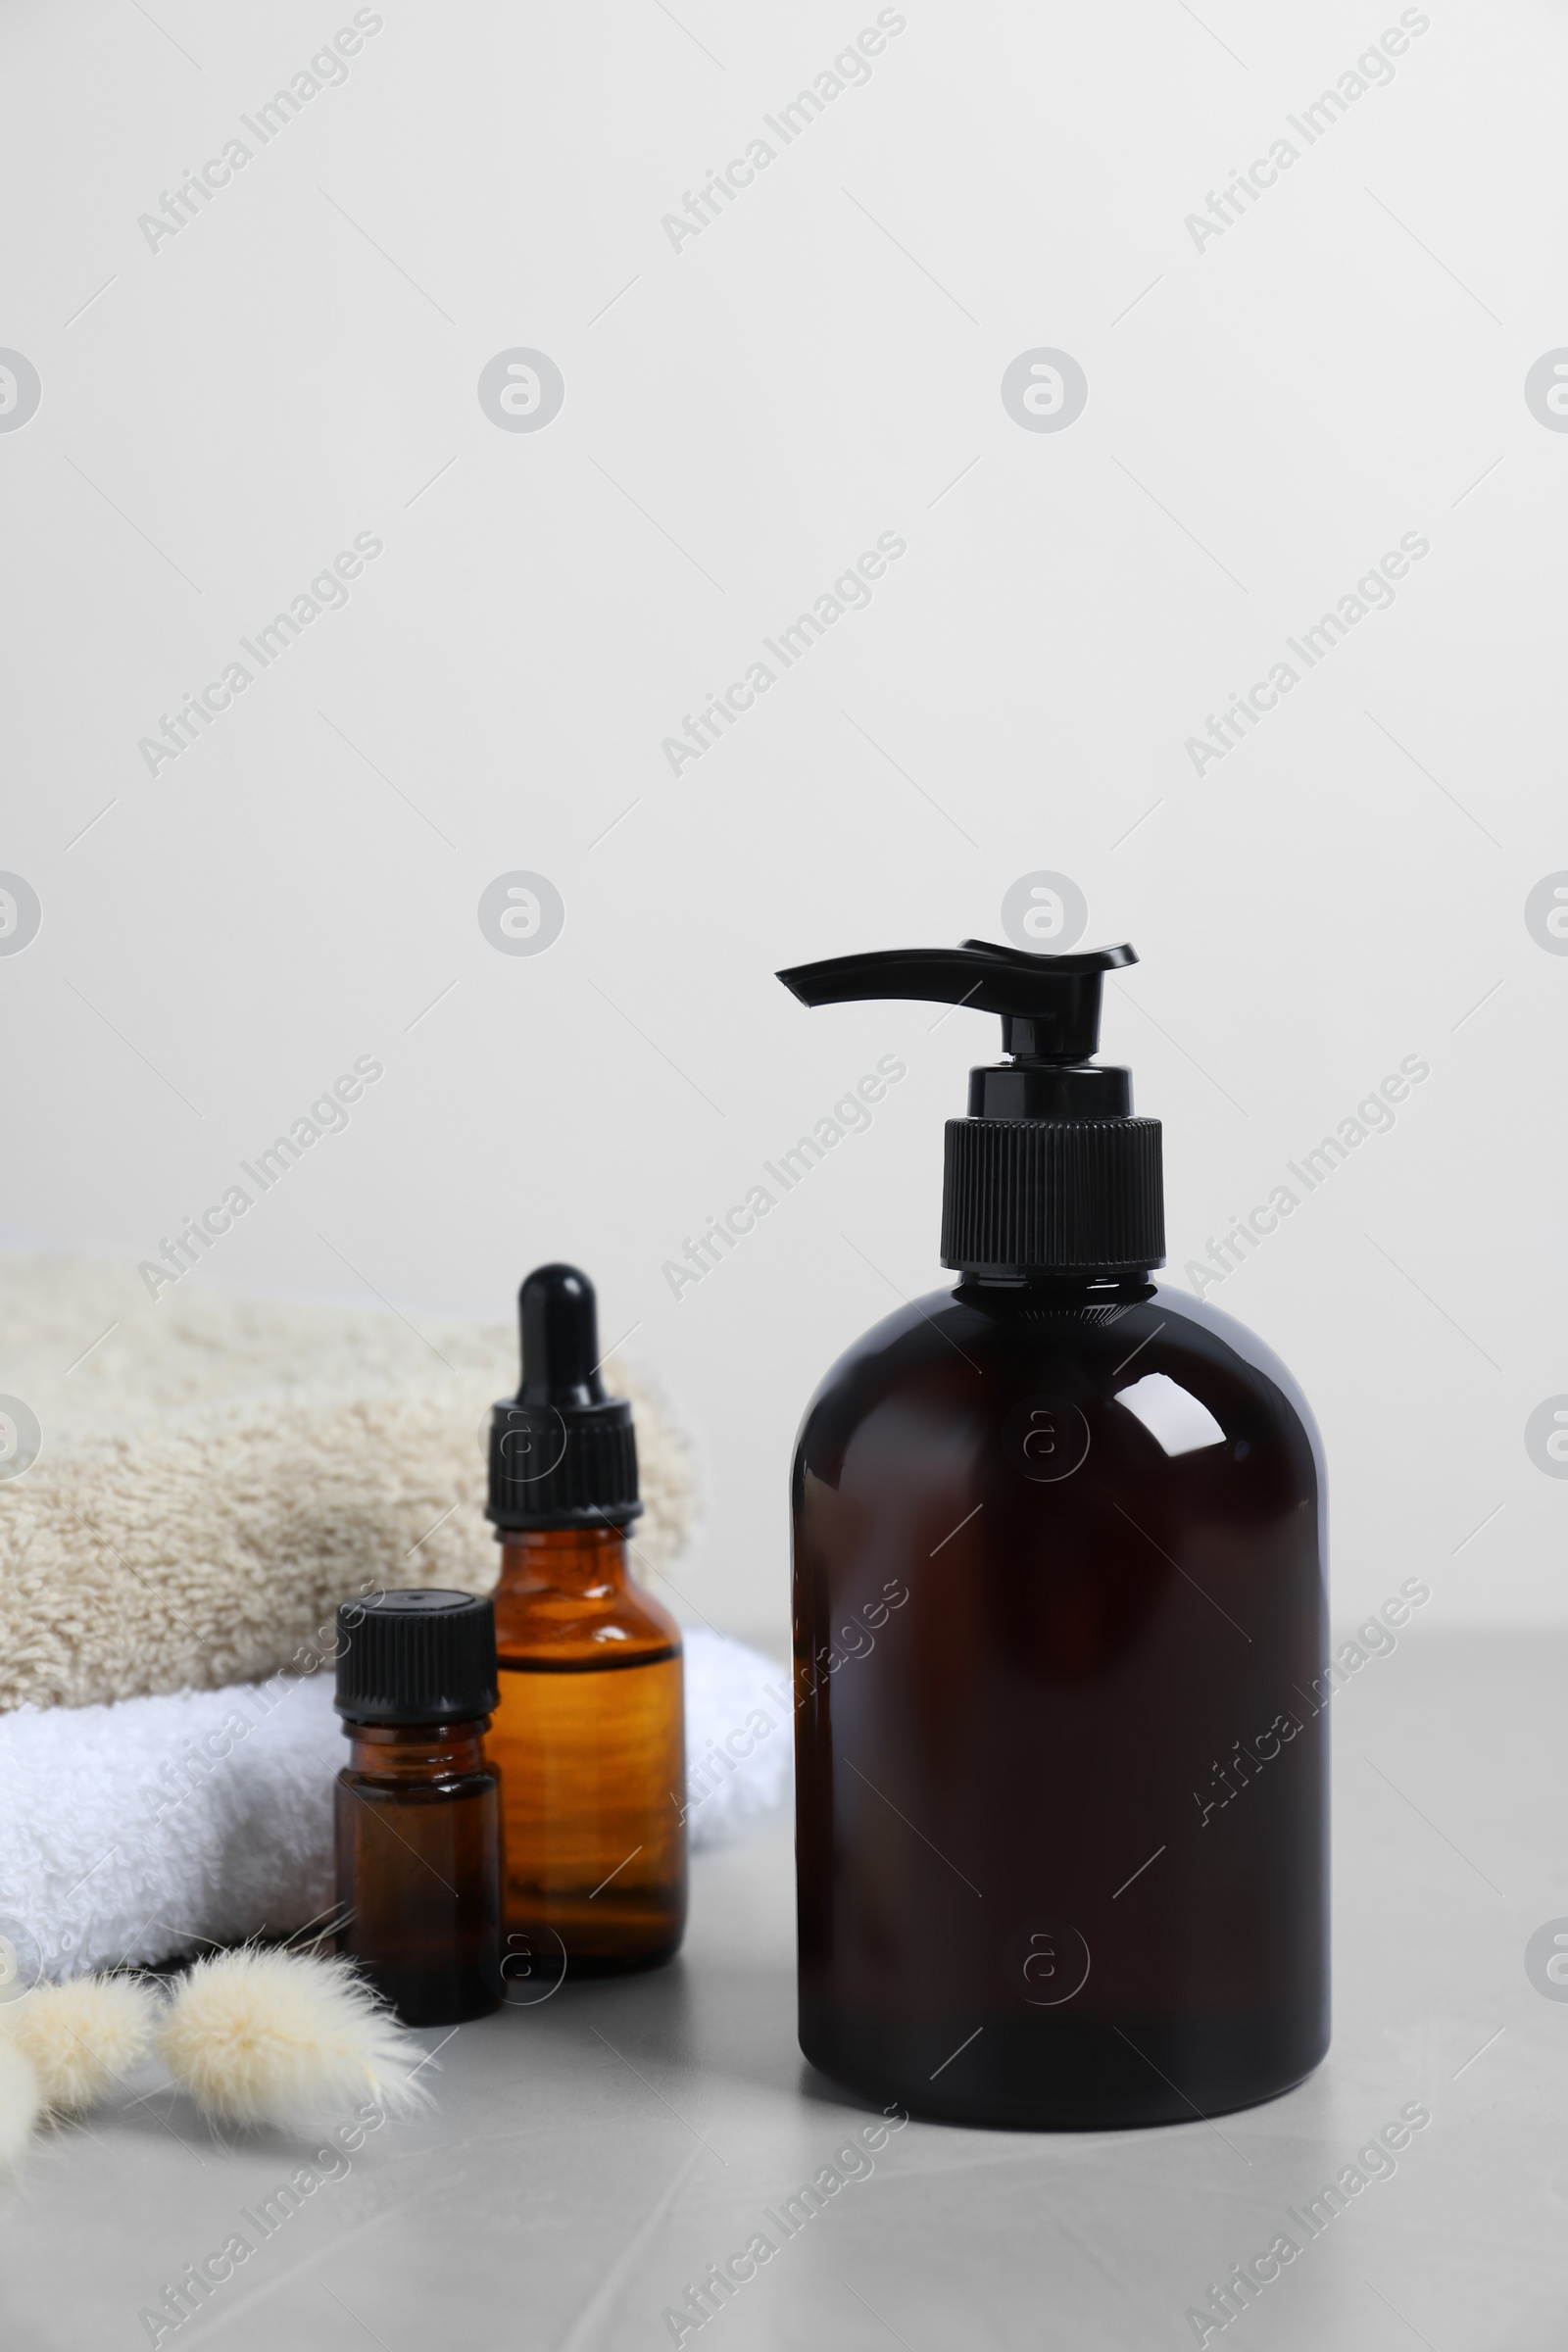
1266,415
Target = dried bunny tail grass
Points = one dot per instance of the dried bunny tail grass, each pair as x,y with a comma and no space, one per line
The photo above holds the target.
276,2036
21,2103
82,2038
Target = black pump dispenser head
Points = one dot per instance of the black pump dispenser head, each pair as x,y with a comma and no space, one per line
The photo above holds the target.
1050,1174
561,1452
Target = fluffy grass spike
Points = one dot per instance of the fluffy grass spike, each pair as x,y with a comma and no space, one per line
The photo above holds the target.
279,2037
83,2038
21,2103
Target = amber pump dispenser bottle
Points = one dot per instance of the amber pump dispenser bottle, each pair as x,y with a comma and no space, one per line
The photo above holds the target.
417,1815
590,1733
1062,1832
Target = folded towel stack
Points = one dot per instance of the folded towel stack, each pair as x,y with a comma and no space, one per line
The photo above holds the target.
216,1475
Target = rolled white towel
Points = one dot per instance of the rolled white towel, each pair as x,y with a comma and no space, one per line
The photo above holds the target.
133,1832
740,1738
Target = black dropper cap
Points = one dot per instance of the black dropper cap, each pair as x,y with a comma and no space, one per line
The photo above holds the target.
1049,1173
561,1452
416,1657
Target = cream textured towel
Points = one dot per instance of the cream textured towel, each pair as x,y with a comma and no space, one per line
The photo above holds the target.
216,1474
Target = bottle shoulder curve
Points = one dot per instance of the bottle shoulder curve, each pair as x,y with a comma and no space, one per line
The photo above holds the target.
968,1353
543,1623
888,1349
1212,1329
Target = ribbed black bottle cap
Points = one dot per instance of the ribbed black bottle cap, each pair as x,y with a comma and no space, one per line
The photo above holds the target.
561,1452
1040,1197
416,1657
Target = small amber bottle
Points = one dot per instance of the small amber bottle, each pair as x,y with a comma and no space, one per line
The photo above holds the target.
590,1728
417,1806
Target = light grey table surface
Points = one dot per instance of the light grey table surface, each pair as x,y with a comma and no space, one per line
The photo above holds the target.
592,2155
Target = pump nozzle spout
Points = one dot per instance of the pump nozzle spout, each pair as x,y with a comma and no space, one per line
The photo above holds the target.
1050,1005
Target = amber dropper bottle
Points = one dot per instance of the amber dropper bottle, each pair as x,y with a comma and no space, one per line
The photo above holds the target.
416,1811
590,1730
